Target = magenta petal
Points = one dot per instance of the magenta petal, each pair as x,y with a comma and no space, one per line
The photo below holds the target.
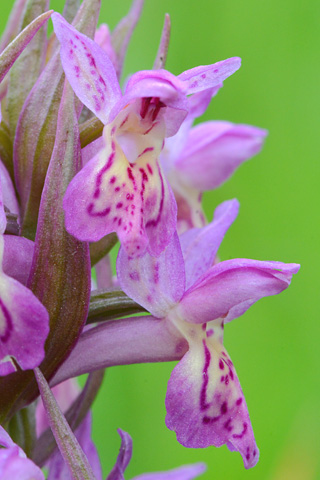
17,257
88,69
123,342
14,464
24,326
124,457
205,404
209,76
229,288
200,245
156,283
214,150
8,192
186,472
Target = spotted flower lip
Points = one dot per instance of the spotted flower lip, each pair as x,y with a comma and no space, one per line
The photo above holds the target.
205,404
123,189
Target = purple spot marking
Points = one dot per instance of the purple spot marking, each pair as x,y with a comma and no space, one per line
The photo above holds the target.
227,425
129,196
224,408
239,401
9,325
148,149
145,102
117,189
131,177
102,81
210,333
206,420
154,223
119,205
156,273
204,326
203,394
97,103
144,175
124,121
222,379
101,173
227,380
119,221
102,213
149,169
216,70
221,364
113,179
134,276
254,453
240,435
231,374
194,84
71,51
203,75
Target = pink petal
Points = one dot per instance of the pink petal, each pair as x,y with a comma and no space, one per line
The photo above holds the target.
200,245
186,472
214,150
17,257
8,192
156,283
88,69
209,76
229,288
205,404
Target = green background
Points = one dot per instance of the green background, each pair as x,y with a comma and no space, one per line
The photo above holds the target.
275,345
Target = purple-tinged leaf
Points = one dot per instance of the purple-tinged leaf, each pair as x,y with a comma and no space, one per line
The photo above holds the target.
124,457
16,47
205,404
103,38
214,150
200,245
122,33
60,275
209,76
162,53
107,305
88,69
69,447
76,407
229,288
123,342
12,27
156,283
37,126
27,68
90,130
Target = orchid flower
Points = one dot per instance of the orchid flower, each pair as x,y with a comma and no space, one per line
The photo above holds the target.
190,298
123,189
201,158
24,321
14,464
205,404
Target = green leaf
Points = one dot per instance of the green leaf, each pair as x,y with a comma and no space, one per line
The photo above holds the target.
100,249
110,305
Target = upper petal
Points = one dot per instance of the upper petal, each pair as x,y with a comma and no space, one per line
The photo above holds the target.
229,288
200,245
213,151
156,283
209,76
88,69
124,457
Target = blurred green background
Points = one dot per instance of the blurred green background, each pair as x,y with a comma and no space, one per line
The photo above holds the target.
275,345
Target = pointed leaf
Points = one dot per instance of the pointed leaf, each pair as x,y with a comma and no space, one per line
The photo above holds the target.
122,33
27,68
68,444
161,57
16,47
13,23
76,413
